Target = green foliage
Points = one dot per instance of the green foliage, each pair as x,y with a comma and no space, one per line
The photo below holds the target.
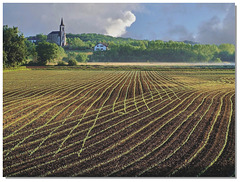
60,53
31,51
76,43
71,55
61,63
46,52
226,56
131,50
230,48
14,47
72,62
159,51
82,57
94,38
31,48
216,60
5,60
41,38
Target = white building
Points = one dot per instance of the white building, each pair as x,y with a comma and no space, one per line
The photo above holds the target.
100,47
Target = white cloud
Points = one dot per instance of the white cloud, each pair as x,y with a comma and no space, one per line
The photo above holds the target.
117,27
102,18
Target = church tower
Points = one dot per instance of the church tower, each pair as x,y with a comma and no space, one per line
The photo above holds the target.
62,34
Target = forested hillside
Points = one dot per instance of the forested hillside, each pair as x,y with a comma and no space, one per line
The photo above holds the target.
79,48
131,50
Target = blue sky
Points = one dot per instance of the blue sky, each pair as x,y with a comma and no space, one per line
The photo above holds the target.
202,22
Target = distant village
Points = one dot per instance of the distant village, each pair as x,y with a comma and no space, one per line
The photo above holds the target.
100,48
59,38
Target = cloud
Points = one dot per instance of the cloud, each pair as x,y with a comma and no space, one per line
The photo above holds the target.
180,32
217,31
117,27
102,18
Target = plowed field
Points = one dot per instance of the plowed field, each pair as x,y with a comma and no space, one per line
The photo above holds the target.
119,123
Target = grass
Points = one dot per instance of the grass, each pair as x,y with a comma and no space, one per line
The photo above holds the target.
19,68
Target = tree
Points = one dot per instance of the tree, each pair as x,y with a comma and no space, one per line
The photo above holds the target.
46,52
41,38
225,56
82,58
230,48
71,55
76,43
14,48
216,60
61,53
72,62
31,51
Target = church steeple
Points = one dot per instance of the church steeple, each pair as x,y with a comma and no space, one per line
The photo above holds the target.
62,22
62,34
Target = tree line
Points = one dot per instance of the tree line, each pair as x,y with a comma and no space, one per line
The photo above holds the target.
160,51
17,50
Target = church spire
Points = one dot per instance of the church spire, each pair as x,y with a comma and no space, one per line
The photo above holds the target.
62,22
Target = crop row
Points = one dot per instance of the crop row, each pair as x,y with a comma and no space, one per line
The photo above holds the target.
106,128
105,121
117,124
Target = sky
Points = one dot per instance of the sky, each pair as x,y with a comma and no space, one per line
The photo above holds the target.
206,23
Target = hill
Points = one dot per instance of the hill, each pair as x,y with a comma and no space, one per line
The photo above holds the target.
93,37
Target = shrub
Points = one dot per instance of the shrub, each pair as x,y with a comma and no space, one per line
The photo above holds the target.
61,63
82,58
216,60
72,62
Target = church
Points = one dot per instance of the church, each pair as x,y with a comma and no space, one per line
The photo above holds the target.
58,37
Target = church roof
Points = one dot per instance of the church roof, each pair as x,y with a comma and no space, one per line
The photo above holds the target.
55,32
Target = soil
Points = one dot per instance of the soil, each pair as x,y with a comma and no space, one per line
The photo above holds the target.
119,123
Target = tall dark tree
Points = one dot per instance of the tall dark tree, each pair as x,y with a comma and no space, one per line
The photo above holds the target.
14,47
46,52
